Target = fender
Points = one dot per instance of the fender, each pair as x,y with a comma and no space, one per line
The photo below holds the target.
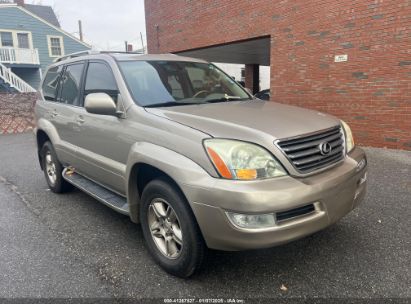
178,167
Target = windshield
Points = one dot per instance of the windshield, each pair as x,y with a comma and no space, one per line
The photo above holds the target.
173,83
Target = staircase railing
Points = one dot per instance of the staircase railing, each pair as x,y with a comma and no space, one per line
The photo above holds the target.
15,81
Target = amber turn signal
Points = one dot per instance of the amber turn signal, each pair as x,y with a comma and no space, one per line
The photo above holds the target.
219,164
246,173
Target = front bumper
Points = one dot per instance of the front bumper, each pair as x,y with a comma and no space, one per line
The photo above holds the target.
333,193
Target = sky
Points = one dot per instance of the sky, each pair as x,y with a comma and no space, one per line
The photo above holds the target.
106,24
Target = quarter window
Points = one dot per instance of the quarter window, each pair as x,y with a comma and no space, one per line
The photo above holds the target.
51,82
6,39
100,79
71,81
56,48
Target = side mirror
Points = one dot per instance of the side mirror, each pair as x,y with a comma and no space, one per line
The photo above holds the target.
100,103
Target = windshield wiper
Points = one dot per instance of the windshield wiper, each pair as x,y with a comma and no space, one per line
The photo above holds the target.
170,104
226,98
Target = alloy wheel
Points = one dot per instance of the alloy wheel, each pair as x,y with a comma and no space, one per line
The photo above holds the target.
165,228
51,168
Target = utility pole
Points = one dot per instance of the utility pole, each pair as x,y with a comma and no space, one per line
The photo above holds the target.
126,46
80,30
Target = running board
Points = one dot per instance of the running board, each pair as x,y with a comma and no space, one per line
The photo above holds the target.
107,197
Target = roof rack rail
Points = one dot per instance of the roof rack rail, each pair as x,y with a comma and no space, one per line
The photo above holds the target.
121,52
91,52
74,55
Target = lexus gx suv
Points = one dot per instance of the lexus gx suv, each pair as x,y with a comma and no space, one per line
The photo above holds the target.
183,149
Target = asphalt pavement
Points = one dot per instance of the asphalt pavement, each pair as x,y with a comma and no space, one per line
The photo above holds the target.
71,246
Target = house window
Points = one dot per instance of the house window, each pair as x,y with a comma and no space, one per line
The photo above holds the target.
6,39
56,47
23,40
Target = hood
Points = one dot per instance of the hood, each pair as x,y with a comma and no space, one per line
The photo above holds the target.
242,119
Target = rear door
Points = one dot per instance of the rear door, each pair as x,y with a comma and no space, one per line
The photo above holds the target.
51,108
64,111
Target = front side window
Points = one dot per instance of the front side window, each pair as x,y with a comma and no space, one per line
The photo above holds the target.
55,46
169,83
6,39
71,80
100,79
51,82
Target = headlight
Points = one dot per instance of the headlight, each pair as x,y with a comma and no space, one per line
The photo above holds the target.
349,139
235,159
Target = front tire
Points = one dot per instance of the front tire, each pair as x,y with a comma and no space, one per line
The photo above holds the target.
170,230
53,169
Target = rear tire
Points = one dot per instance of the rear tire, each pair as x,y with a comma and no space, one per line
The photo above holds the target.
170,230
53,169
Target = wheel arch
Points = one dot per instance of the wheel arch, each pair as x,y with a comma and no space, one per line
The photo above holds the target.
140,175
45,132
147,162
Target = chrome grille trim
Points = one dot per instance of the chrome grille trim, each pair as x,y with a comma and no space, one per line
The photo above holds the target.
304,153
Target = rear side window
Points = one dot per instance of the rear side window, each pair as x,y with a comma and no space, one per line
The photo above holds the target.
50,83
71,81
100,79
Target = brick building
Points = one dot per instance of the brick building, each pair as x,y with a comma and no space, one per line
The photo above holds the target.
369,86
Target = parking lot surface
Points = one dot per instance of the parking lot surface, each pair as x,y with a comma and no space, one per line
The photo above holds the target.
70,245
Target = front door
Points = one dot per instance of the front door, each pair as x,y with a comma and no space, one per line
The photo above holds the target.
102,151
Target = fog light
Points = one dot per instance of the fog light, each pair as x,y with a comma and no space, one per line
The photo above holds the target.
252,221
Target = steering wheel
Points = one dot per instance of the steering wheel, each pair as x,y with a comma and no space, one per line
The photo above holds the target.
200,92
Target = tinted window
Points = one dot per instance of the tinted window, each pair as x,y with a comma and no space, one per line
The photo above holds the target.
51,82
100,79
71,84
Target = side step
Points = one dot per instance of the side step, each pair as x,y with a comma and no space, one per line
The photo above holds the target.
107,197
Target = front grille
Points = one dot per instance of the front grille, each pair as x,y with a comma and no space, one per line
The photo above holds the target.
305,153
289,214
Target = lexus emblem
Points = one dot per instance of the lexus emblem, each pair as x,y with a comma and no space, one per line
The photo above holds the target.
325,148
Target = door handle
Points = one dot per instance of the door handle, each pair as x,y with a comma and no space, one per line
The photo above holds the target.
80,119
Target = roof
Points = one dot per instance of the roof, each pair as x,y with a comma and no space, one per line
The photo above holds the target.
44,12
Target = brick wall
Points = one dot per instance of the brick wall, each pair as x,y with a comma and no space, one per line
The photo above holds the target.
371,91
16,113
